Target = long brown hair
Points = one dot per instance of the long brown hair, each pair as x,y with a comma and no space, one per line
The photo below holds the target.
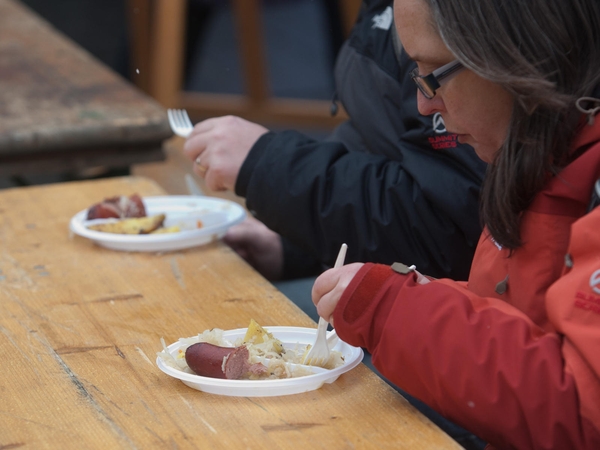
547,54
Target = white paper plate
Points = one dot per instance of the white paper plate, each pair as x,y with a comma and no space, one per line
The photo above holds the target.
174,205
267,388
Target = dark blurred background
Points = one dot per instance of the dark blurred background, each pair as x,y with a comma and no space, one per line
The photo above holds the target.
300,41
301,36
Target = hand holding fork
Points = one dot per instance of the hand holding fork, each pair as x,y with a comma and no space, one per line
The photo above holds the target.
218,146
319,352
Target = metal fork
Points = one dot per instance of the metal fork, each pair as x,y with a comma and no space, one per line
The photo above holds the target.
180,122
319,352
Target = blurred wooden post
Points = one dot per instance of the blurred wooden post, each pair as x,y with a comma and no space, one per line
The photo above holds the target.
168,40
140,21
248,22
349,11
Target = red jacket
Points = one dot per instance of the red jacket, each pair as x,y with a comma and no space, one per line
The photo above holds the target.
513,355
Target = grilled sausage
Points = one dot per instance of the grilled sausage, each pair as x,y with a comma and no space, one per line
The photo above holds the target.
118,207
210,360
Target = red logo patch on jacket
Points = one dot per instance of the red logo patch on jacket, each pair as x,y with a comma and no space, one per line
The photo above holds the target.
590,301
443,141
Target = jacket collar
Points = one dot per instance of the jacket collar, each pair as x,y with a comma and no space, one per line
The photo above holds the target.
569,192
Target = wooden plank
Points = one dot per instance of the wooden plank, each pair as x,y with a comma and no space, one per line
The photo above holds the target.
75,161
274,111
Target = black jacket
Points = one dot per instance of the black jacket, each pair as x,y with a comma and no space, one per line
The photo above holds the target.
386,183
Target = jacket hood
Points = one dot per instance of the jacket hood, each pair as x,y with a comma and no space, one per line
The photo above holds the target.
570,191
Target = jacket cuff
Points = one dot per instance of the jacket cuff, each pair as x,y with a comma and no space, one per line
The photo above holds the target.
360,293
254,155
364,304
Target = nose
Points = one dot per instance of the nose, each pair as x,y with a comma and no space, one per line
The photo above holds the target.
428,106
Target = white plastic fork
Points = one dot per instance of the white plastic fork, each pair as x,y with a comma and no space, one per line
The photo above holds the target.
180,122
319,352
192,186
332,339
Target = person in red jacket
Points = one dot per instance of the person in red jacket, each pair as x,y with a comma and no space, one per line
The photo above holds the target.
513,354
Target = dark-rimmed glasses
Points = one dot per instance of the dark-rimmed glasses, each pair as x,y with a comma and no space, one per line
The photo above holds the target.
428,84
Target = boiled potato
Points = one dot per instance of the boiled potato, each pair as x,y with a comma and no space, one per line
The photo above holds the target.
136,225
257,335
173,229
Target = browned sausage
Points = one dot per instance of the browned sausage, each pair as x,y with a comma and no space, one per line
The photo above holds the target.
119,207
207,360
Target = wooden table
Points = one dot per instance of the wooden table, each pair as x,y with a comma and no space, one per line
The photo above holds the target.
62,110
80,327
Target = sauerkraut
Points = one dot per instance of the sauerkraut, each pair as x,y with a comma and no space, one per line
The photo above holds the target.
283,360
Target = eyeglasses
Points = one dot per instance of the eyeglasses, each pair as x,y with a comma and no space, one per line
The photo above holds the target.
428,84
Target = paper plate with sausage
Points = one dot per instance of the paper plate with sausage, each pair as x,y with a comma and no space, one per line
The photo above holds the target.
254,361
154,224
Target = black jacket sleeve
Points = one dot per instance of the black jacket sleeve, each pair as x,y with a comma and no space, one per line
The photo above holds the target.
319,195
392,184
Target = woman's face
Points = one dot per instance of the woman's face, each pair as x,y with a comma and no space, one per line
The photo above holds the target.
474,108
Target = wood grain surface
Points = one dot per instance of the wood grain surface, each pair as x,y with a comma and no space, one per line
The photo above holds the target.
80,327
59,103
